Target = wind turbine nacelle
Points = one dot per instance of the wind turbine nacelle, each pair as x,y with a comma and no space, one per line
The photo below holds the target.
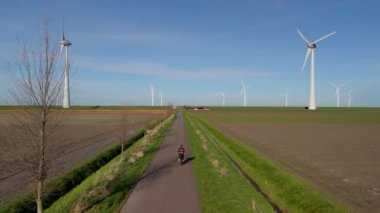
65,43
311,46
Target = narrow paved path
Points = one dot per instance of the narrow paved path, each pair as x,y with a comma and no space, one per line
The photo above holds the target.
166,186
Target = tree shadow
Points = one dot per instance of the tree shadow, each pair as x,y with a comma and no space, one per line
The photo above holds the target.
159,170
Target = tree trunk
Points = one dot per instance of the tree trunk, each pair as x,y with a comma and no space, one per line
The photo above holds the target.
122,148
39,197
41,168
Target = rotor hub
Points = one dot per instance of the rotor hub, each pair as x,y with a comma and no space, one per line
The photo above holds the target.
311,46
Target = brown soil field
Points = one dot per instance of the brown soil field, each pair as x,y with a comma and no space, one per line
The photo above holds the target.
81,135
343,160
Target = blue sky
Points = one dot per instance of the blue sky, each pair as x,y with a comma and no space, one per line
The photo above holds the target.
193,50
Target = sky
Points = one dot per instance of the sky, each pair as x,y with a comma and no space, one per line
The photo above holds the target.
193,50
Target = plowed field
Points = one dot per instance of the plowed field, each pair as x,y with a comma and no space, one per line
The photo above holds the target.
81,135
337,151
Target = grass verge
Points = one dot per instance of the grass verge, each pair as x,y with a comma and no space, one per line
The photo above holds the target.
221,186
105,190
288,192
59,186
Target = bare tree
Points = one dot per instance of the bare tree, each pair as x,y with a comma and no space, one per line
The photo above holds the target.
122,134
37,82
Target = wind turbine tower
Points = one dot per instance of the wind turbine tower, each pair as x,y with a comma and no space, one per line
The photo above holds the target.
285,94
66,90
152,93
161,95
349,98
223,98
337,92
244,92
310,52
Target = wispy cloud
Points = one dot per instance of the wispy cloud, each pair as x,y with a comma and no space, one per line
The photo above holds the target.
159,70
144,36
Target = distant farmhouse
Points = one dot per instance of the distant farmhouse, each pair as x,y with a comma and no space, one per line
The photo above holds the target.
201,108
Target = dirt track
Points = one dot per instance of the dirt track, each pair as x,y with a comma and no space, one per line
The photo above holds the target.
166,186
343,159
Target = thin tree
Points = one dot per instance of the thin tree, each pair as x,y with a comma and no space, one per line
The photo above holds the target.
122,134
37,82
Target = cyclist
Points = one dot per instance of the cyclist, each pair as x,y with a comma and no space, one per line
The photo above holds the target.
181,154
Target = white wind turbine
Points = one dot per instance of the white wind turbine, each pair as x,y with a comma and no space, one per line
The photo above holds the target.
244,92
161,95
223,98
337,92
310,51
66,90
152,93
286,95
349,98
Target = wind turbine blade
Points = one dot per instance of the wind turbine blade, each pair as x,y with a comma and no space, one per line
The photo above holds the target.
334,85
323,37
61,49
302,36
344,84
306,57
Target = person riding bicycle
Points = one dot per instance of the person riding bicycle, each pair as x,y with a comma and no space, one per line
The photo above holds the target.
181,154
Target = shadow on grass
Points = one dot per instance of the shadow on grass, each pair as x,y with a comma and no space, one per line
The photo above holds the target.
188,159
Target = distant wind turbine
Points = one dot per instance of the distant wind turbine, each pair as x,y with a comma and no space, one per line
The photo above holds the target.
152,93
223,98
310,51
285,94
66,90
161,95
349,98
244,92
337,92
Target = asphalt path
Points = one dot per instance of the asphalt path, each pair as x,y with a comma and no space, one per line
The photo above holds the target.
165,185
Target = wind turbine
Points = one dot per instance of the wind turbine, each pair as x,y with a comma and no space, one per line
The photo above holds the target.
66,90
349,98
161,95
244,92
337,92
152,93
286,97
310,51
223,98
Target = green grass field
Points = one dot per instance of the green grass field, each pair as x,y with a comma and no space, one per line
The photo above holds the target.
291,115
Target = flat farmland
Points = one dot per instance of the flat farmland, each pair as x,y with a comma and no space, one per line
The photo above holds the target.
81,135
336,150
